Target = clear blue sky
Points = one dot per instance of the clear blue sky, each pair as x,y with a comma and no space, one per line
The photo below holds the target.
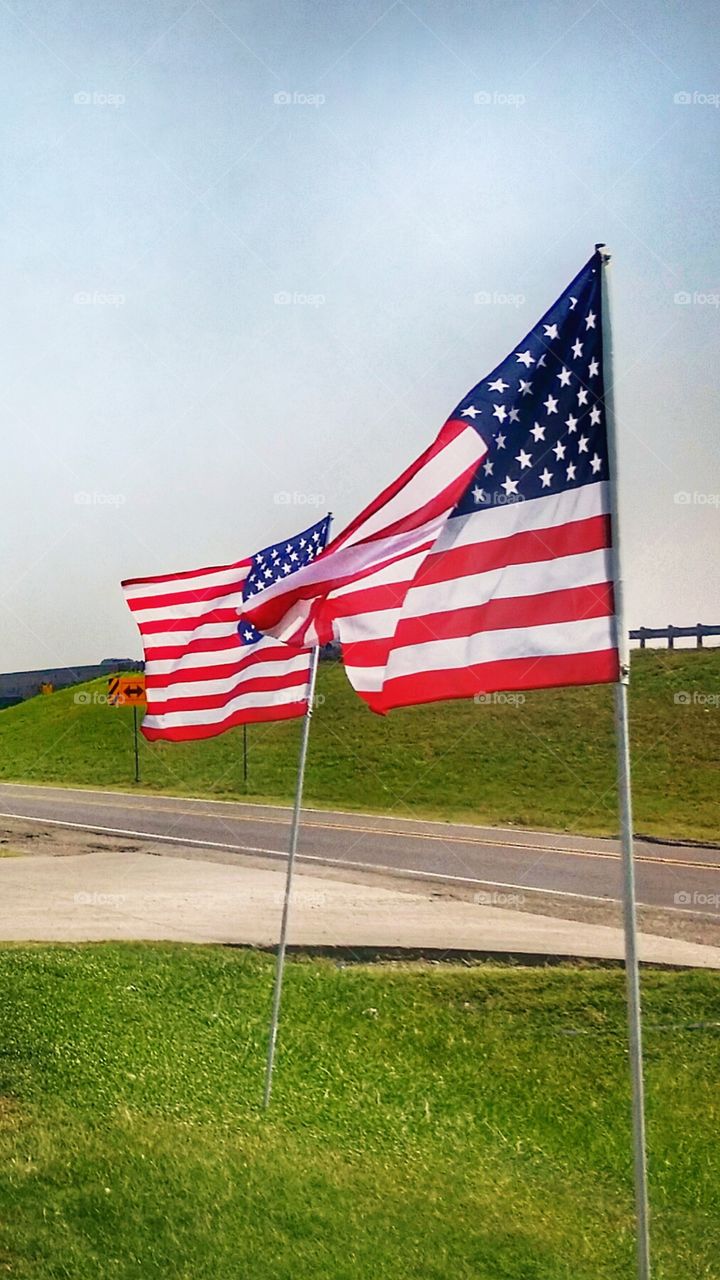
159,402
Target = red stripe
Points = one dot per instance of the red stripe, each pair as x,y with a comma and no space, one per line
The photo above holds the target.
213,644
189,573
220,671
371,599
600,667
170,625
254,715
201,675
367,653
211,701
568,605
527,547
186,597
219,644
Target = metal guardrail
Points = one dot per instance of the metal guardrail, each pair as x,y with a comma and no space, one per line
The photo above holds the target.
699,632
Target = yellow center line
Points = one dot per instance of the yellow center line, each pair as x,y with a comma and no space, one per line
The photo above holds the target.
389,831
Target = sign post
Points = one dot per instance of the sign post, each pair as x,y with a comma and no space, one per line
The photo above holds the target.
129,691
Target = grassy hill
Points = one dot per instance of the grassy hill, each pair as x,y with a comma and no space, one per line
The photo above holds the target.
427,1122
547,761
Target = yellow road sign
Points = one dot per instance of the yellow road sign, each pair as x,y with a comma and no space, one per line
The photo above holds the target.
126,691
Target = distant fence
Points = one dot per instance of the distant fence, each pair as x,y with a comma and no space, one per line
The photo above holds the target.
699,632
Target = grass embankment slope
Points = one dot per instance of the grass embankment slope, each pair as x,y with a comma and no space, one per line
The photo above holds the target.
547,761
426,1123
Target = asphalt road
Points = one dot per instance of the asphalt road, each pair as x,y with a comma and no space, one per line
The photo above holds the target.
668,876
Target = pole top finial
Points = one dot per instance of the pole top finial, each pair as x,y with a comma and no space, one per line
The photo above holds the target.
602,249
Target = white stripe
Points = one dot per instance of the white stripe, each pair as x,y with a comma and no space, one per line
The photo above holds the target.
539,577
548,512
234,653
244,702
204,631
365,679
586,635
225,684
378,625
191,609
224,576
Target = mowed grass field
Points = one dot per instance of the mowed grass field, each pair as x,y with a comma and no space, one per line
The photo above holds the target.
544,761
427,1122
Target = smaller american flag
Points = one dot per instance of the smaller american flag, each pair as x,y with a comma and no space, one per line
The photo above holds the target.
205,671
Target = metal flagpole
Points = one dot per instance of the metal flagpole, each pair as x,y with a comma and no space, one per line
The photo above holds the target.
294,833
632,969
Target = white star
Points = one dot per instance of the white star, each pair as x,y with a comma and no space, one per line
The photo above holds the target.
510,486
478,494
551,404
310,552
582,396
524,459
470,412
594,415
593,369
573,303
596,464
582,444
541,362
571,471
571,424
525,388
316,536
538,432
288,548
500,440
293,556
488,468
564,377
498,385
514,415
274,554
577,348
286,567
559,450
525,358
248,635
551,331
546,477
499,412
303,543
590,320
267,573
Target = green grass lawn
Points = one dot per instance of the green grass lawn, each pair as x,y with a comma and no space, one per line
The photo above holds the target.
547,762
427,1122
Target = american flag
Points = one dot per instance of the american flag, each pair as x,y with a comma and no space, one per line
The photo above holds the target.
515,589
205,671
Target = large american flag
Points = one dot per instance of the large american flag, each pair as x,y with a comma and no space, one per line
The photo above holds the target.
512,587
206,667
